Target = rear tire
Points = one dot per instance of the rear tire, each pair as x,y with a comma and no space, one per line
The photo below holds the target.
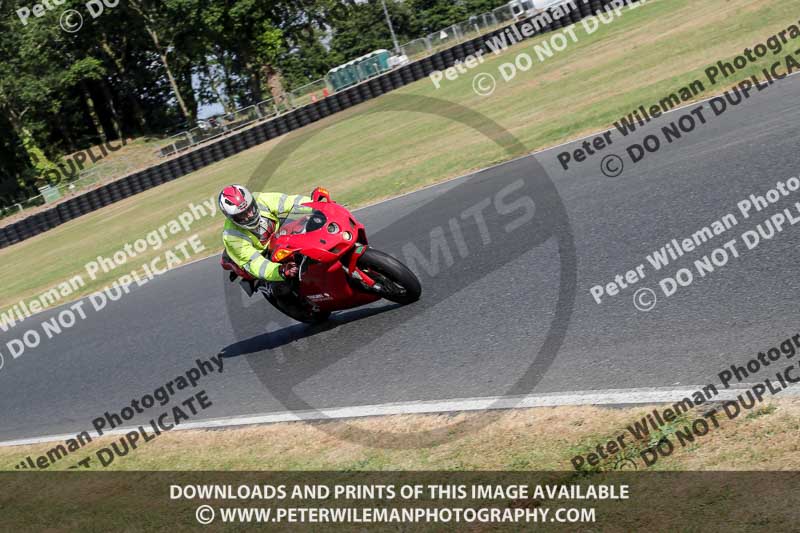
300,311
315,317
400,284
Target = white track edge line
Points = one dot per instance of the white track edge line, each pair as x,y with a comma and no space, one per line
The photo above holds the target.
577,398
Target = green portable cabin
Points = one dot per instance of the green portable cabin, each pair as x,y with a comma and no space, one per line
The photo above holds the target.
342,76
373,64
358,69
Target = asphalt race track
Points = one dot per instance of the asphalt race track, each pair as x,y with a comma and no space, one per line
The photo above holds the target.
484,317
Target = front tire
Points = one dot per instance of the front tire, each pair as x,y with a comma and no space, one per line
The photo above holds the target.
398,283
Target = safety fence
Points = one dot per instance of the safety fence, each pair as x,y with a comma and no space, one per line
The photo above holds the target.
236,142
73,183
322,88
457,33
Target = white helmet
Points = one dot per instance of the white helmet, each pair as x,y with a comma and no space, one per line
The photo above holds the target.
239,205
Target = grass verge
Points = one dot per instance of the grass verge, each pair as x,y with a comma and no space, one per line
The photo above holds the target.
95,169
649,52
763,438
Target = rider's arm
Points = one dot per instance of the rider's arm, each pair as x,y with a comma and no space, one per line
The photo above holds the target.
281,204
249,258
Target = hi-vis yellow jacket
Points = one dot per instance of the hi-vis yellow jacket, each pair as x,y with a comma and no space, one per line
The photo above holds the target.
244,246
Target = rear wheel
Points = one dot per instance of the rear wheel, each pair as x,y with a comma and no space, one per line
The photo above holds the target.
299,310
312,317
398,283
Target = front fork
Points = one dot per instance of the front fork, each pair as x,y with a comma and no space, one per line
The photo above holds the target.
358,274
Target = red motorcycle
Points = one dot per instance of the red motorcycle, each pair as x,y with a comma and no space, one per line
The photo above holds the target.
336,267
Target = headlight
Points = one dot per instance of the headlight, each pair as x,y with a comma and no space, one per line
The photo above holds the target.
347,235
333,227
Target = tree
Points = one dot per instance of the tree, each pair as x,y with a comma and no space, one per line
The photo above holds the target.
166,23
145,66
34,81
365,29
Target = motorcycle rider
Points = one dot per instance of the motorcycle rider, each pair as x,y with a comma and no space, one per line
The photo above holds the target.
251,221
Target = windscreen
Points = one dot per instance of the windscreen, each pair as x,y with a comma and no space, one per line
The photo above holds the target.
302,219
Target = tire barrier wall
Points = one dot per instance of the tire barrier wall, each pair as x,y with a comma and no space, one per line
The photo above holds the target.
280,125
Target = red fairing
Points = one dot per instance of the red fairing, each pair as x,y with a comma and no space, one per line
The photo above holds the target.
326,281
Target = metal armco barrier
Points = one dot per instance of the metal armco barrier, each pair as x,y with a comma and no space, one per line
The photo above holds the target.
280,125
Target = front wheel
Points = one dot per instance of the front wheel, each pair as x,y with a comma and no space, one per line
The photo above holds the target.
398,283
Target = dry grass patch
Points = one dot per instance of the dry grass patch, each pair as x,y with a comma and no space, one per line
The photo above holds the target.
523,439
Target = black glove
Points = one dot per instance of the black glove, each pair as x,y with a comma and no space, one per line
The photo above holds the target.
288,270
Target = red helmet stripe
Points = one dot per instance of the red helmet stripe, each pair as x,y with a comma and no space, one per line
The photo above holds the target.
234,196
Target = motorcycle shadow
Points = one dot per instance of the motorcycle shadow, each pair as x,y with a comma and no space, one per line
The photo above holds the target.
297,331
